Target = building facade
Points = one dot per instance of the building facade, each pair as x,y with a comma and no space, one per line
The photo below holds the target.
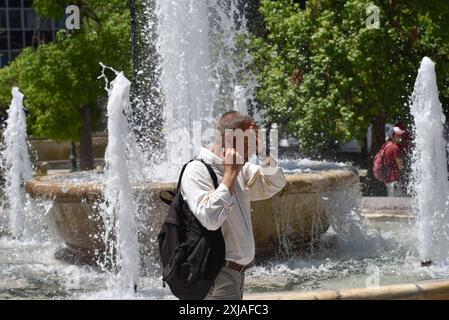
21,27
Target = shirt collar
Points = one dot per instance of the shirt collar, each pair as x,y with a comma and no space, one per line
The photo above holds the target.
211,158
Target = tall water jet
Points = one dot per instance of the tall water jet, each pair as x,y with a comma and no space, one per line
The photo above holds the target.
231,72
146,117
16,163
429,166
186,82
118,210
203,48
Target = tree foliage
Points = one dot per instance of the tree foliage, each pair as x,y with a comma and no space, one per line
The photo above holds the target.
60,77
324,75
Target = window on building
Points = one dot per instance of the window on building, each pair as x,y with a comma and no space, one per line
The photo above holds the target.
3,40
27,3
30,19
15,19
14,54
4,58
3,18
18,24
29,38
16,39
15,3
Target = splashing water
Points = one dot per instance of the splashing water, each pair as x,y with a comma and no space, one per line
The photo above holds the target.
233,80
118,210
204,72
146,118
16,164
203,63
430,167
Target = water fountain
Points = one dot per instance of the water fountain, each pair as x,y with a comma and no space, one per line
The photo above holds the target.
310,236
201,77
430,167
16,165
118,209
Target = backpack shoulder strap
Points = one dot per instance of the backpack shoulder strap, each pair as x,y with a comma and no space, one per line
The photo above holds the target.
212,173
171,195
181,174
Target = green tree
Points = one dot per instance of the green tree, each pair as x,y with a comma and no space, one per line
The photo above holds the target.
60,79
324,75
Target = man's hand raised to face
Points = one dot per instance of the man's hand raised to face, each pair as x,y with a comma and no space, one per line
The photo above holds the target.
232,165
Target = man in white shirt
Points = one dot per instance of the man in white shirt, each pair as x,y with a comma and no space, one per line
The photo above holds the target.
228,206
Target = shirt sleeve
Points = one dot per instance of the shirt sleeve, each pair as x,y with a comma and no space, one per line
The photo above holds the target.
211,206
264,181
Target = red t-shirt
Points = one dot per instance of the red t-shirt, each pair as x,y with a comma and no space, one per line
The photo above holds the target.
392,151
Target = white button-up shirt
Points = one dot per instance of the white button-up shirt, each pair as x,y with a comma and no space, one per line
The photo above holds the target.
216,208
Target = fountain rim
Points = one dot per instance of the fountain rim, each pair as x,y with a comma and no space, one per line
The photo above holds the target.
428,289
46,187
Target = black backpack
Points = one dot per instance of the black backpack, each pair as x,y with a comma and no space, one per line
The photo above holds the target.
191,255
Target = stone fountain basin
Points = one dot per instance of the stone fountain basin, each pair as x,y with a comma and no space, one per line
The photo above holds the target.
296,213
422,290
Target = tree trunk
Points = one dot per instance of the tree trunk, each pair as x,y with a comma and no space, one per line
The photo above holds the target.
375,187
86,159
378,133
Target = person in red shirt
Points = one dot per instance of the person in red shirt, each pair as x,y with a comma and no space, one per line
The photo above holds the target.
393,162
